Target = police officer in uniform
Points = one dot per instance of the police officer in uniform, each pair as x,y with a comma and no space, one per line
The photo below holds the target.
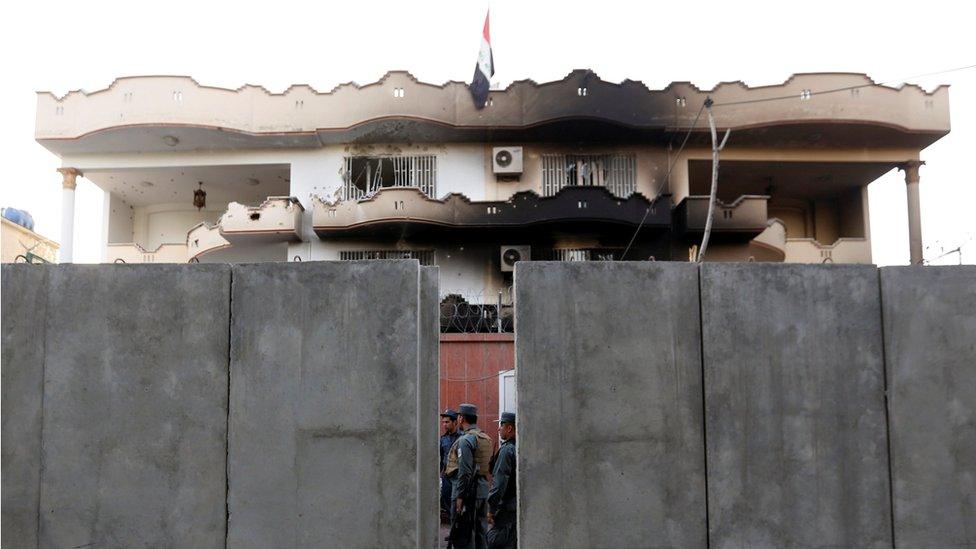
468,466
451,434
502,506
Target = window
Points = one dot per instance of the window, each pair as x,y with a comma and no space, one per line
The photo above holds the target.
426,257
616,172
578,254
364,175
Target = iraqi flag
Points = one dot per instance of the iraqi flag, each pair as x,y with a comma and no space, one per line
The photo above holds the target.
483,70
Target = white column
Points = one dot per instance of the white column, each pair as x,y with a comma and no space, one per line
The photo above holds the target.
914,210
68,183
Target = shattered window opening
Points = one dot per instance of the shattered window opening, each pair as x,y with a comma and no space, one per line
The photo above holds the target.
363,176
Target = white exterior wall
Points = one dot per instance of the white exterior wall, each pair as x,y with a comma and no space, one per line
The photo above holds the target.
117,219
168,223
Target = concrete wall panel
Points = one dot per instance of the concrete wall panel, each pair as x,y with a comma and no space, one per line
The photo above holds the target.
930,352
324,404
795,417
428,418
24,294
135,406
610,410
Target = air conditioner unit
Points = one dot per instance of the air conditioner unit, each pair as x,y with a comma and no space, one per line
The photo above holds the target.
510,255
506,160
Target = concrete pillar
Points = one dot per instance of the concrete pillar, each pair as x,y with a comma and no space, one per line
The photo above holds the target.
914,211
68,184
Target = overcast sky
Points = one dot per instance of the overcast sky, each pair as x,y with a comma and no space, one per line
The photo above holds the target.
60,46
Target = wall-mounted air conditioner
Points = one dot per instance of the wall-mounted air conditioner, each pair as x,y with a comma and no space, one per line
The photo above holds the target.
510,255
506,161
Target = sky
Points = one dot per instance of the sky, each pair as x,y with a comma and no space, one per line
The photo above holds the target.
59,46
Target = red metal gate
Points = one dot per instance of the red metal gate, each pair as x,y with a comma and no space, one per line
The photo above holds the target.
470,364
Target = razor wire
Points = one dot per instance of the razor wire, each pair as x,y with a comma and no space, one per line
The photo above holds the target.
479,312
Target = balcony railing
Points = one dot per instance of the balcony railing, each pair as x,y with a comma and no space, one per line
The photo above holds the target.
399,209
277,219
203,239
844,250
807,250
134,253
747,215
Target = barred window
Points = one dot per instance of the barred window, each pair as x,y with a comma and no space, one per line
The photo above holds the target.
616,172
577,254
426,257
362,176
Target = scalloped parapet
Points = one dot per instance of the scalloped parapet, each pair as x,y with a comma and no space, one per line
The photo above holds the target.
134,253
303,117
409,206
277,219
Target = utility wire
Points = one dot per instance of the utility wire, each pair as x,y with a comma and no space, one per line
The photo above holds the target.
845,88
667,177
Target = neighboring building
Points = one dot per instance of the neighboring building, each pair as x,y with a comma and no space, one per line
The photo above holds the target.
564,170
19,241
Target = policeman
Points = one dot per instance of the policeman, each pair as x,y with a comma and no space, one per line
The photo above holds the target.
451,434
471,456
502,506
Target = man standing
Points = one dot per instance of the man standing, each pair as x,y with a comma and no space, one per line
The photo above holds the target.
473,451
451,434
502,498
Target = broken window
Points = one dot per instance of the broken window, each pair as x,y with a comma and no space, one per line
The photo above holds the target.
426,257
364,175
616,172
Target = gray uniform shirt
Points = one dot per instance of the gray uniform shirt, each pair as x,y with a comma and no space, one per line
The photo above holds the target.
467,477
502,493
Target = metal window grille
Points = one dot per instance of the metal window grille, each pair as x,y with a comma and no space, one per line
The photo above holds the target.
577,254
426,257
389,171
616,172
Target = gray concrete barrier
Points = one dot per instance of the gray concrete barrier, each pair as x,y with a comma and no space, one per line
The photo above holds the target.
324,402
930,354
122,385
134,364
428,418
610,412
795,410
24,309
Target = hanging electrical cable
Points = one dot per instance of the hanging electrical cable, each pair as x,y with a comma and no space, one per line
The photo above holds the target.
667,177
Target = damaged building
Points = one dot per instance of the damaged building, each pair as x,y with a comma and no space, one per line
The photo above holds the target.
568,170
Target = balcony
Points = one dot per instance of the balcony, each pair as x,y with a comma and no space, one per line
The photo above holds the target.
203,239
774,245
844,250
134,253
277,219
770,245
745,216
407,211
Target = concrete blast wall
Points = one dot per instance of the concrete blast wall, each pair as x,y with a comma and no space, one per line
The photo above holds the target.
791,375
116,378
610,437
660,404
324,404
930,352
794,406
116,385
